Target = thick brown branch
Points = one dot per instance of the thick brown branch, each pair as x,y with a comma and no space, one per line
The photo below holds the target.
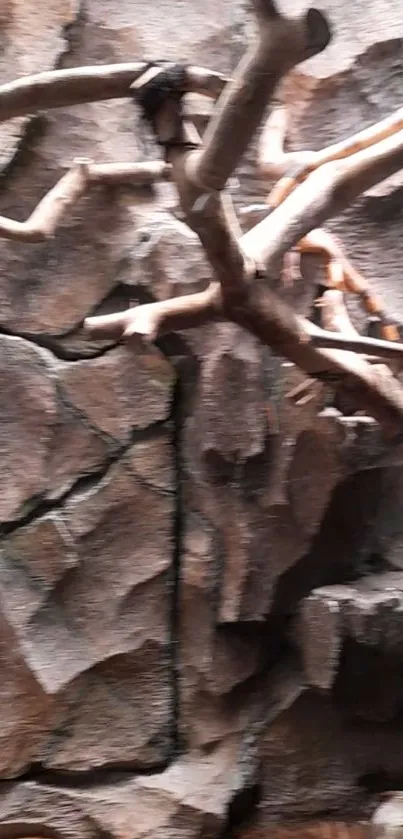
154,319
325,192
282,43
265,9
58,88
235,296
47,214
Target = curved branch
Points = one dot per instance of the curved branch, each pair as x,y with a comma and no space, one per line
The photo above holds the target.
334,315
330,339
293,167
83,174
75,86
273,161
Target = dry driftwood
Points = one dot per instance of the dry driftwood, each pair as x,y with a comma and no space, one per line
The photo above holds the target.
306,197
273,160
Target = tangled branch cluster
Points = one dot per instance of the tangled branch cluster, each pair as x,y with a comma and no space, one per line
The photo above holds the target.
311,187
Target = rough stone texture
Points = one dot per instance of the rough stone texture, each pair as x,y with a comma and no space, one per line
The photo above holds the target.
298,777
66,575
200,563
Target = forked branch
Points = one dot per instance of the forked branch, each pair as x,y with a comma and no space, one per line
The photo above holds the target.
325,192
294,167
341,273
46,216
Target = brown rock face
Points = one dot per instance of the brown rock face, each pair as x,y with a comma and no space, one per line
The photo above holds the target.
32,39
200,560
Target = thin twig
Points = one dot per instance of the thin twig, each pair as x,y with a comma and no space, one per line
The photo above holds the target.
360,344
75,86
83,174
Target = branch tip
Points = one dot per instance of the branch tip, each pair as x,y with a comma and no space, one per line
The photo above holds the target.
319,33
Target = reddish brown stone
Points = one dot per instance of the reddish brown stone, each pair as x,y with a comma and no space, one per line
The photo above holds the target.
149,606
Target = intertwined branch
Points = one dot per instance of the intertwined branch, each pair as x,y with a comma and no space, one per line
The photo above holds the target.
312,187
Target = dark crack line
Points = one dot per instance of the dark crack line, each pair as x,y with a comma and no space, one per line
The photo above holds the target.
75,779
40,506
177,552
51,345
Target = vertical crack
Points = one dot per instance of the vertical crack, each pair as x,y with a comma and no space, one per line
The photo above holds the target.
177,420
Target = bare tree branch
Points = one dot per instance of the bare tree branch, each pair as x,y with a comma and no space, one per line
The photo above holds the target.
293,167
342,275
48,213
59,88
340,272
325,192
274,323
282,43
136,174
154,319
360,344
335,318
265,9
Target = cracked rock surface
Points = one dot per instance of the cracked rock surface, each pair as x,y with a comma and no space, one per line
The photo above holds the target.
200,571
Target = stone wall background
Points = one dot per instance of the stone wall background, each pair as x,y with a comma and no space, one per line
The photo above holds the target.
200,597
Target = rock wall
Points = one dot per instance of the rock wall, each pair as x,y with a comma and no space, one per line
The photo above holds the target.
201,579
